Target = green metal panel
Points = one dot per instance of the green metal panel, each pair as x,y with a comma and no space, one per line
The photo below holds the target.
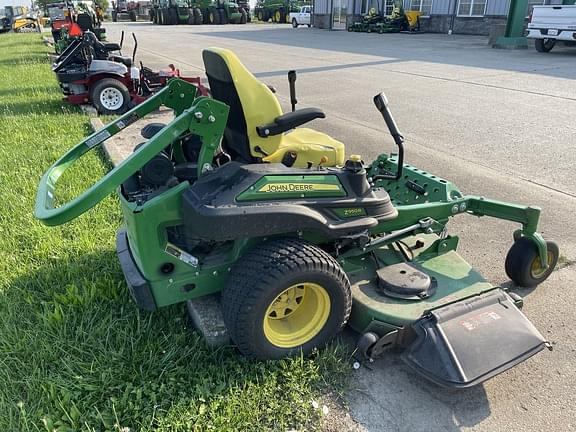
274,187
146,227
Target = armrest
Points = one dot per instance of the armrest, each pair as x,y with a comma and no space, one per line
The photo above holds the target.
288,121
111,46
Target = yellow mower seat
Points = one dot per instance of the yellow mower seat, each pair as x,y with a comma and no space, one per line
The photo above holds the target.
257,130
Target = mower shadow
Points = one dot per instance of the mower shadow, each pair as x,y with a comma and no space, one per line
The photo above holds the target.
29,57
26,91
72,319
456,50
387,392
37,107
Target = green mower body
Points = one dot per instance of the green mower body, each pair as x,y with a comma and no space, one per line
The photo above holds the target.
382,228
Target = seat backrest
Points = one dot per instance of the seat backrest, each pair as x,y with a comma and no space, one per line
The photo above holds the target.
251,104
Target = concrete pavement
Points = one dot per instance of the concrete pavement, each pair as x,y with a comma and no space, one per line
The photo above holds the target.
497,123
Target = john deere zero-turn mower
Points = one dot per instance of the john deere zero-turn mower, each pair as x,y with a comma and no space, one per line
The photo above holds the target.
233,197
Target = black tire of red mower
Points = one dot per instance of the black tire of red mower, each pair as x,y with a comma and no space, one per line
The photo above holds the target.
173,17
541,45
519,261
223,16
198,18
165,17
261,275
106,83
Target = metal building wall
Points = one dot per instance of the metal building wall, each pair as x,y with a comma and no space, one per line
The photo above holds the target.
497,7
322,6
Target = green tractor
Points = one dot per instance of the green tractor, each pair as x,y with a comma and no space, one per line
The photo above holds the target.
276,10
226,12
233,198
199,12
171,12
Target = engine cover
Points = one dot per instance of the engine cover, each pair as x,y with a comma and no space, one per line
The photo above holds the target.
254,200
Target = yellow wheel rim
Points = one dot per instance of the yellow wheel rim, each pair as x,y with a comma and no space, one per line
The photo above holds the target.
536,269
277,16
297,315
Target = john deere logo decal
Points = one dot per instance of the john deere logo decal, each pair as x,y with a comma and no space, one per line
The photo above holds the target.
298,187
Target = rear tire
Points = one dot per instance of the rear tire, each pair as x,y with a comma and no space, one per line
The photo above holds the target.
243,17
165,17
544,45
523,265
198,18
110,96
283,297
214,16
294,23
133,16
173,20
223,16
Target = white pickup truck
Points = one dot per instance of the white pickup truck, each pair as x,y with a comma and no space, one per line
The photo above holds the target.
302,17
551,24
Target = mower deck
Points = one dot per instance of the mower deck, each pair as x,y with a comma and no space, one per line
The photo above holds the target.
455,278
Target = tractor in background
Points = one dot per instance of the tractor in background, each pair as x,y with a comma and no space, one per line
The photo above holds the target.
171,12
124,9
226,12
276,10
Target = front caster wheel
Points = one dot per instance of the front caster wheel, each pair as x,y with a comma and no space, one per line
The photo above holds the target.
523,264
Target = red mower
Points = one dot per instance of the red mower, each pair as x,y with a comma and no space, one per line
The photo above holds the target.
92,72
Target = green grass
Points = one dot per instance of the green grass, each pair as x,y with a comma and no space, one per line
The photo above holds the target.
75,353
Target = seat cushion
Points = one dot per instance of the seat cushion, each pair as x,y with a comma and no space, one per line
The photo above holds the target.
309,146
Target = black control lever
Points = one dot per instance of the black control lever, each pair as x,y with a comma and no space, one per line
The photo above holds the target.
121,41
292,82
382,105
135,47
